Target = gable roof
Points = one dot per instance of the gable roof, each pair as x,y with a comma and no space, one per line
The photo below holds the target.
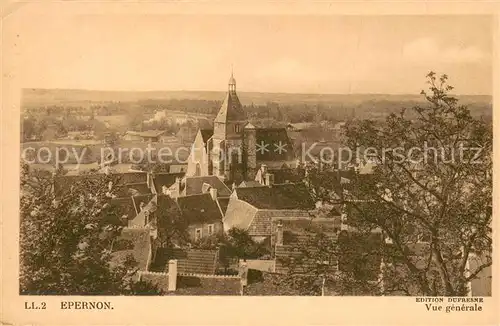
140,218
194,185
206,134
231,109
239,214
278,196
199,208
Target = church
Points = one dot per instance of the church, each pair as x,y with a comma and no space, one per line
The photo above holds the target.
235,150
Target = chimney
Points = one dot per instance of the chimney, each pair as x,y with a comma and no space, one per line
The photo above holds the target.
176,188
213,193
269,179
243,272
279,233
263,167
164,190
205,187
141,206
172,274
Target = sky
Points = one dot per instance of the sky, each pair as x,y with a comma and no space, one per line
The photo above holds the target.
292,54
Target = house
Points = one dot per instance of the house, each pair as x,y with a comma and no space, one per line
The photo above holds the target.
300,126
145,136
202,214
163,181
190,272
281,175
168,139
254,208
197,185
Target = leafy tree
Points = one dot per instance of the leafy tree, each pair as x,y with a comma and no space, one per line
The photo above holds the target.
434,210
240,244
172,228
66,237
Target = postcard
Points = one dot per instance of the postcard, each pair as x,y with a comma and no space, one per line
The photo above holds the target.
210,163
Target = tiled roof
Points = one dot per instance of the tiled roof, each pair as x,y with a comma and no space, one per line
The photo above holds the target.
165,179
261,224
287,175
231,109
206,134
278,196
239,214
274,137
194,185
189,261
141,251
132,177
199,208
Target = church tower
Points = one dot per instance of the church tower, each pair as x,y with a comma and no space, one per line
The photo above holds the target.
227,153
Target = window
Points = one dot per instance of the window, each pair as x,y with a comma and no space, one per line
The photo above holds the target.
198,234
237,128
210,229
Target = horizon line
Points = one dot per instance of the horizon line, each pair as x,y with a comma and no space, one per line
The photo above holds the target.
240,91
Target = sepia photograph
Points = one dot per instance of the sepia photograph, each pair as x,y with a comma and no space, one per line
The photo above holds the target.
360,168
251,155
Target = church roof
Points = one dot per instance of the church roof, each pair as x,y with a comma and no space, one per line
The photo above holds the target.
280,196
231,109
277,145
206,134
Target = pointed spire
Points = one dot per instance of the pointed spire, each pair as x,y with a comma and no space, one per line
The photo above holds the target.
232,81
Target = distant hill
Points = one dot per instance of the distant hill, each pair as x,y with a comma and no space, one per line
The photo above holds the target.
73,97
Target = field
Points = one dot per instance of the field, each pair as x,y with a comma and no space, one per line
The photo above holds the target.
46,97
